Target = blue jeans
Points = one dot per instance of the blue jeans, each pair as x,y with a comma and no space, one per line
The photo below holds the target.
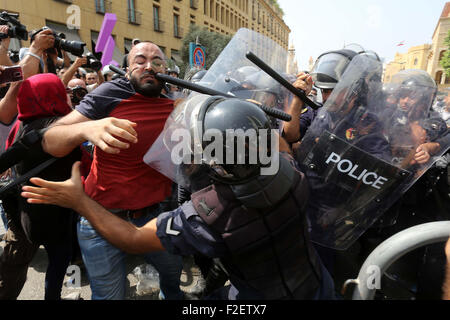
106,264
3,216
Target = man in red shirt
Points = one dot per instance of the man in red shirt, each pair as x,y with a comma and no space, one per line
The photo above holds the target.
122,118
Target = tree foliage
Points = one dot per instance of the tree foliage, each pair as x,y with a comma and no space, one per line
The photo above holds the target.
445,61
275,3
213,42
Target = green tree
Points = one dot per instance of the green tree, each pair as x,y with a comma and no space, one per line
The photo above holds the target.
445,61
213,42
276,4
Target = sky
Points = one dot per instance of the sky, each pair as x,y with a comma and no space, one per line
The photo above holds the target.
318,26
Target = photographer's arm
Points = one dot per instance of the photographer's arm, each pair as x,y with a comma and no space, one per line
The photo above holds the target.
8,105
72,70
30,63
67,60
101,78
4,47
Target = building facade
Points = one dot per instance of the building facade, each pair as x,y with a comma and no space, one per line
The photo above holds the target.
415,58
438,49
164,22
426,57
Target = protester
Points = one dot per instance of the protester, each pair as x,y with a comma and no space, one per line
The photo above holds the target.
134,42
119,179
41,100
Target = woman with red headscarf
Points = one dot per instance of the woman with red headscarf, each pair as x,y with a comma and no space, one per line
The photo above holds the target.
42,99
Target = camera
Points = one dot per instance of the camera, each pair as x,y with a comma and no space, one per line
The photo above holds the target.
14,56
76,94
16,29
74,47
11,74
92,62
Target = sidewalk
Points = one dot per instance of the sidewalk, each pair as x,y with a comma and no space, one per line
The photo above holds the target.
34,287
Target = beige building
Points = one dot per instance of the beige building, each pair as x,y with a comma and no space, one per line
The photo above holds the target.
164,22
427,56
439,48
415,58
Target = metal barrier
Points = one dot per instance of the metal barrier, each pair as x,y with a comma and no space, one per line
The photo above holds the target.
393,249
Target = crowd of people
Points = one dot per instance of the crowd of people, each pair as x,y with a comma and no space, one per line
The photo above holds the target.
75,150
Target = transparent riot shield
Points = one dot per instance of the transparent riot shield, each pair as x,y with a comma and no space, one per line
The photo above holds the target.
361,154
231,73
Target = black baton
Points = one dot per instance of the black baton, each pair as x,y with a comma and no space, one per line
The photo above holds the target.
200,89
117,70
298,92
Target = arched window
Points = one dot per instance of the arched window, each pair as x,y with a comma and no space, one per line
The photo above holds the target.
438,77
441,55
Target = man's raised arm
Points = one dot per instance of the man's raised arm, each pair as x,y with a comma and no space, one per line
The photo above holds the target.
74,129
291,130
70,194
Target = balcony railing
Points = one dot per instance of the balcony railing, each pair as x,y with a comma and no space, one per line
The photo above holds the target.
134,17
103,6
158,25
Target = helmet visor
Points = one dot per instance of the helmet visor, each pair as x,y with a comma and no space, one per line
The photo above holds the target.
329,69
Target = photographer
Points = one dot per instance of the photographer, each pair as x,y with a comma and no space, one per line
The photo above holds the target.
70,73
93,80
30,66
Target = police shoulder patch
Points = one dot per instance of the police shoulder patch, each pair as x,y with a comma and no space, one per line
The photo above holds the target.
169,229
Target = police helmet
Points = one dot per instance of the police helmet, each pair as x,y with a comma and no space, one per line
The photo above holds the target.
435,128
330,67
229,115
416,84
244,72
262,88
173,69
197,77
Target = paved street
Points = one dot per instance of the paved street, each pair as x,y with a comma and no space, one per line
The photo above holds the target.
34,287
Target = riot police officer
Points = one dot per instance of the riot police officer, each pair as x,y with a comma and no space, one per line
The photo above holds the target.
326,73
254,223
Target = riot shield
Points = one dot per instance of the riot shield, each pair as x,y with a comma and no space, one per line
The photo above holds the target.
234,74
231,73
361,154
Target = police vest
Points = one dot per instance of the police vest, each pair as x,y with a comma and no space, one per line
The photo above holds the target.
269,248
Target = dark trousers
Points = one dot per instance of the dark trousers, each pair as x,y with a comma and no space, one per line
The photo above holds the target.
17,256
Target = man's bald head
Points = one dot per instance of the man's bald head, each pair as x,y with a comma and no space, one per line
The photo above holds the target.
140,45
145,60
76,82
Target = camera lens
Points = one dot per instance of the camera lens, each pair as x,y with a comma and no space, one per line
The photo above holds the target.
95,65
74,47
